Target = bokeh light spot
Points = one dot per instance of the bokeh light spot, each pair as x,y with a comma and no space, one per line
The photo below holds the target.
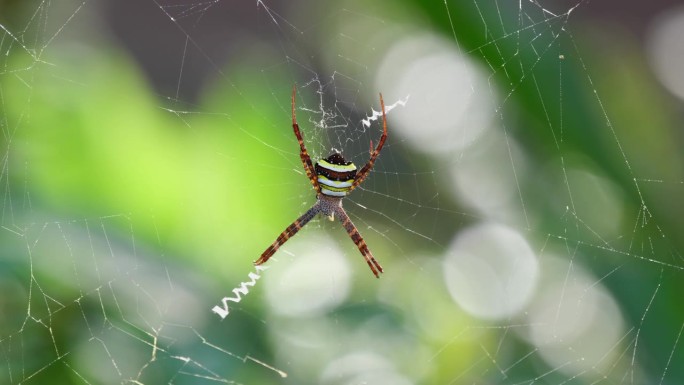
448,108
490,271
666,51
316,280
575,316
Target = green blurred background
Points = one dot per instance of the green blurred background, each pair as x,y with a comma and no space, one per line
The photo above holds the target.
526,207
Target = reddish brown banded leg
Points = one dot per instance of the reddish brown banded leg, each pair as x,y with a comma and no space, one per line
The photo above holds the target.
303,154
365,170
289,232
360,243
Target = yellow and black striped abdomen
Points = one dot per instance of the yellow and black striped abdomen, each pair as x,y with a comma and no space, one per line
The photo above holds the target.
335,175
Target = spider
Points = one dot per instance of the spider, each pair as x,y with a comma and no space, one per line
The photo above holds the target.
332,178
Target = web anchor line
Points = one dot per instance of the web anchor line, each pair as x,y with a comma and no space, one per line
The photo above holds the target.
238,292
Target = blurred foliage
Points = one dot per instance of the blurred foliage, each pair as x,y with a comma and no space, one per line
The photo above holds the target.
103,146
611,115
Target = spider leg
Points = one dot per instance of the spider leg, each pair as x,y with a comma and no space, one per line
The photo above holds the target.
358,240
306,159
289,232
363,173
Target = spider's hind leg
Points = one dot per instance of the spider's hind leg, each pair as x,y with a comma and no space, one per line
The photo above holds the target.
289,232
358,240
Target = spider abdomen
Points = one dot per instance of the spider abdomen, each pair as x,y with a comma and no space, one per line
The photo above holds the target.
335,175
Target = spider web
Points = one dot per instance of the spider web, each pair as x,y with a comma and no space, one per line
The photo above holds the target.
524,207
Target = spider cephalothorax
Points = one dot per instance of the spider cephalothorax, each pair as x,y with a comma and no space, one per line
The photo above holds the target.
332,178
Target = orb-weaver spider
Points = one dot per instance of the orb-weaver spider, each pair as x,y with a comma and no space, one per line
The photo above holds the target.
332,178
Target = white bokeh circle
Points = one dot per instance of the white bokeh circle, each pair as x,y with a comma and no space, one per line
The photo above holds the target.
449,103
490,271
665,50
315,280
575,316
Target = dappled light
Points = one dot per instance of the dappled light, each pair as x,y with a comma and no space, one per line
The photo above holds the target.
523,202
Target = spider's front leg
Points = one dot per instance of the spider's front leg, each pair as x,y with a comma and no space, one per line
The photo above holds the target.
365,170
303,153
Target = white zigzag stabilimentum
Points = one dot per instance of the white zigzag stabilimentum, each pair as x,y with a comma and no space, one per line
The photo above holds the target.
238,292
